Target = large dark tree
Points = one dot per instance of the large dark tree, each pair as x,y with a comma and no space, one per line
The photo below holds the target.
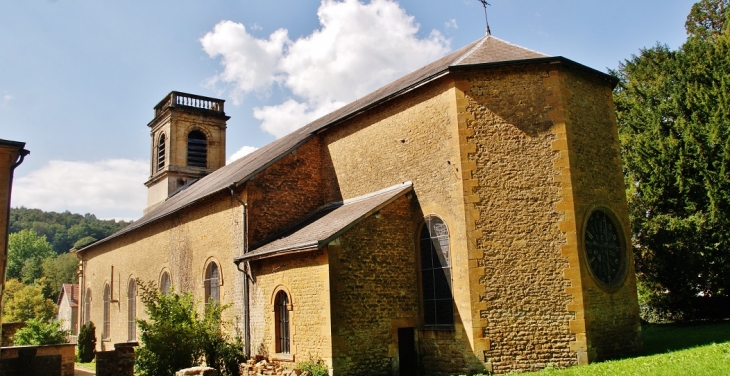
673,111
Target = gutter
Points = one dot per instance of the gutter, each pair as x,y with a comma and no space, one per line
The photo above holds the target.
245,273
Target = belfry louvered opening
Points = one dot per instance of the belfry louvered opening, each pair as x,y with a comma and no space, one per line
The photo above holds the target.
197,149
161,152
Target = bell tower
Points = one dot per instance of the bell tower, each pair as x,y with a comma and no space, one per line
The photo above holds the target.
188,142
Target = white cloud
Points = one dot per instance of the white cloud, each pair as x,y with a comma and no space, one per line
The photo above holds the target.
358,48
245,150
451,24
6,99
108,189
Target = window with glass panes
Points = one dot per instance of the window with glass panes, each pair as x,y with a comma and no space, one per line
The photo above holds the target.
437,298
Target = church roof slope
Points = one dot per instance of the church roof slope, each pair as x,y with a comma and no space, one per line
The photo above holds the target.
327,224
486,50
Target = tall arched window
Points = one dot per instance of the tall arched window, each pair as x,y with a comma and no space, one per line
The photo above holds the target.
281,314
165,283
161,152
107,311
132,311
87,306
212,283
438,307
197,149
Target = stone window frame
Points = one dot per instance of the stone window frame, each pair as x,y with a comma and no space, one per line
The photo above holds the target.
106,322
282,356
207,288
87,306
161,148
624,241
132,309
161,281
435,325
207,137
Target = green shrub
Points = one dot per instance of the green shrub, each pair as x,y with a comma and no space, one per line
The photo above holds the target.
176,337
39,332
315,367
87,342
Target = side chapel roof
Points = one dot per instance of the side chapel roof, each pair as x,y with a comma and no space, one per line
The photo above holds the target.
488,50
326,224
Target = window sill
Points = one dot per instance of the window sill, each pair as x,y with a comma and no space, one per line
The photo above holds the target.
282,357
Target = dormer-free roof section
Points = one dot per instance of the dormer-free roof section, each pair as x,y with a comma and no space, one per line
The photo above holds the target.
487,51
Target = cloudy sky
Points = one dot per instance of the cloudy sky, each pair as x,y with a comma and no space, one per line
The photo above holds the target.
78,79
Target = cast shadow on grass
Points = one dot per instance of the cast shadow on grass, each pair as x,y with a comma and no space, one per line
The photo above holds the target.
661,338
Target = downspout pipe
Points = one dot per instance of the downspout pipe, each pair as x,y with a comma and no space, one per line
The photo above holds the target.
244,272
22,153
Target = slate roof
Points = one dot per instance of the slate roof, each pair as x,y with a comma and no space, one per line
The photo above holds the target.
71,290
487,50
327,224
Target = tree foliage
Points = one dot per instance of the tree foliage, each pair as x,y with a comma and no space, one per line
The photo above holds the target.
26,252
174,319
673,110
40,332
87,342
59,270
22,302
62,230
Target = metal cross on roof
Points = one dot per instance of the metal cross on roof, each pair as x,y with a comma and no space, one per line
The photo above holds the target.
484,4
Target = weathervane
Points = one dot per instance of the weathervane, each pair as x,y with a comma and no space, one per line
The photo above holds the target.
485,3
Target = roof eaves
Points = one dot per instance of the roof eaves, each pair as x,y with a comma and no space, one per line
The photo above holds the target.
549,60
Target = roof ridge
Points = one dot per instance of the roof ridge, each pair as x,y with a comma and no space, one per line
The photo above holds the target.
471,50
518,46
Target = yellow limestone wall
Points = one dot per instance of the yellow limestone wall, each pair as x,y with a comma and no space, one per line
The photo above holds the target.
414,138
182,244
526,144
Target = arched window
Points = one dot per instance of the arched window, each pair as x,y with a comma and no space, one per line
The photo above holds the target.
438,307
212,283
132,311
107,311
87,306
165,283
197,149
161,153
281,313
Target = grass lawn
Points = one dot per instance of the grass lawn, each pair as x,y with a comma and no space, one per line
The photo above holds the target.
91,366
670,349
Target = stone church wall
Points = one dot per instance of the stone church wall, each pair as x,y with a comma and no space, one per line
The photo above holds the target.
181,244
511,193
305,279
373,269
286,192
612,317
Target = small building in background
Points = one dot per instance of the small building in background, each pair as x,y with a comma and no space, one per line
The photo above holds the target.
68,309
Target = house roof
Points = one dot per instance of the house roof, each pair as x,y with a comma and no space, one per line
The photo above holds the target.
327,224
487,50
71,291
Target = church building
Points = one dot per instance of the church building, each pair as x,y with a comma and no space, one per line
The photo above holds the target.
467,217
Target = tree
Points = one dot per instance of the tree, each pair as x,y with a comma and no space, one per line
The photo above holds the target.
59,270
707,18
22,302
87,342
26,252
39,332
174,319
673,113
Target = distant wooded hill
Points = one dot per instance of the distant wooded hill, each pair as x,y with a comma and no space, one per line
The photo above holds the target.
63,230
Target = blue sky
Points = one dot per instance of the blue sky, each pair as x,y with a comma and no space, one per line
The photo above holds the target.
78,79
